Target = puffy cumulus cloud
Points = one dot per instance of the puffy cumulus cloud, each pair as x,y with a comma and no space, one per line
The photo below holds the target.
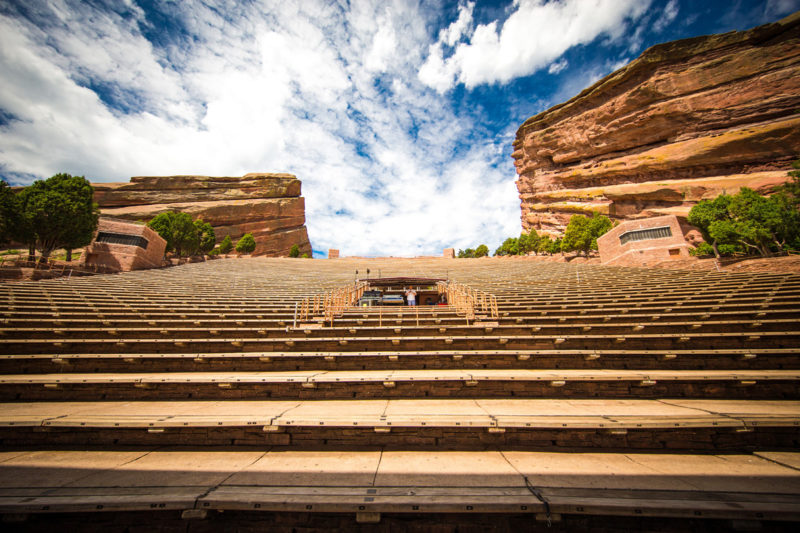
326,91
461,27
535,34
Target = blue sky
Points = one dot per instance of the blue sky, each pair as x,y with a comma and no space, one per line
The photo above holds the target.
397,116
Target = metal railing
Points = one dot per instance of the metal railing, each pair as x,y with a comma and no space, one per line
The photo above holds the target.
331,304
468,301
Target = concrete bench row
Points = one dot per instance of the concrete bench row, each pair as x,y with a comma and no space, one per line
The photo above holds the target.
183,361
755,337
343,384
396,423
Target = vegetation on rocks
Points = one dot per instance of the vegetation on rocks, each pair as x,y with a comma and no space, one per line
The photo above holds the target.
581,236
294,251
226,245
748,222
184,236
178,230
582,233
246,245
481,251
207,236
522,245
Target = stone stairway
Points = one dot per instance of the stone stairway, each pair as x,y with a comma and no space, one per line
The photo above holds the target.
596,393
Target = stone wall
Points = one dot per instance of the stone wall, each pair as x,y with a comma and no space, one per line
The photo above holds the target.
267,205
122,257
687,120
643,252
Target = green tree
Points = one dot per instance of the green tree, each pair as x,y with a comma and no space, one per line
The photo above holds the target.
207,237
21,224
787,198
582,233
226,245
555,247
178,230
510,246
246,244
8,212
482,250
57,212
468,253
544,244
706,212
754,222
294,251
527,242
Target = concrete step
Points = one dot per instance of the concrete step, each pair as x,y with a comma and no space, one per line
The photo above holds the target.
758,486
464,383
754,358
754,338
415,423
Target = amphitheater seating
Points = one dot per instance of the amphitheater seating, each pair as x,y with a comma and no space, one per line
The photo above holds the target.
676,392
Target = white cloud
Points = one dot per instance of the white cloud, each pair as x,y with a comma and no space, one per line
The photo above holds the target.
778,8
326,92
532,37
666,18
461,27
557,67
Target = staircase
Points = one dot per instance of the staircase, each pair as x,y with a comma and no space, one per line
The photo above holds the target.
622,397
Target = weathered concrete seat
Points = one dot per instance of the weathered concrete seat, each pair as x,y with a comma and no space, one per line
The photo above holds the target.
441,383
205,356
541,485
635,424
746,358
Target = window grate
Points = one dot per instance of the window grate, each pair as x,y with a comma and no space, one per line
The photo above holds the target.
122,238
645,234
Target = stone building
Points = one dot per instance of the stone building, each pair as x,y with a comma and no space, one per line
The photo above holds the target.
644,241
124,246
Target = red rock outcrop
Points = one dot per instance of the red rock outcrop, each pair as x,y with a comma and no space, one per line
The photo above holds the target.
687,120
267,205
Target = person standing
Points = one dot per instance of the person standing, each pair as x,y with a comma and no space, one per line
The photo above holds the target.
411,296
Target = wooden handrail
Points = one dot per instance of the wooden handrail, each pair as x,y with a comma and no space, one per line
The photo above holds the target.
467,300
333,303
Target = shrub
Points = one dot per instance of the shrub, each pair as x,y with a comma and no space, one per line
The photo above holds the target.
214,252
226,245
582,233
246,244
304,256
510,246
294,251
482,251
702,249
179,230
207,238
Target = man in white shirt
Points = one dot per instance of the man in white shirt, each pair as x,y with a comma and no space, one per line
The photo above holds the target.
411,296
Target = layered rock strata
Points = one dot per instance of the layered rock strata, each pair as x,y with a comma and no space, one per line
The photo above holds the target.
267,205
687,120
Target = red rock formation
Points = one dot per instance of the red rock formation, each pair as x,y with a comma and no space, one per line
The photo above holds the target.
687,120
267,205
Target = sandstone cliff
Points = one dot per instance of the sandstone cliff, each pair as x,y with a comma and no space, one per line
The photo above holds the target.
267,205
687,120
